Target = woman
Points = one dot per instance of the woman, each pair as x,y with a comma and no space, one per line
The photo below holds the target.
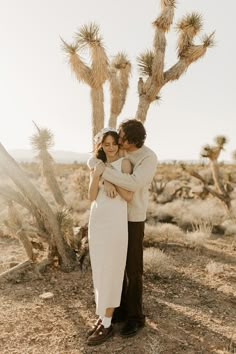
108,234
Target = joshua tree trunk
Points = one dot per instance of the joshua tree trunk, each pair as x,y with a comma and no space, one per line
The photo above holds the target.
120,69
9,166
26,243
97,99
47,167
143,107
216,176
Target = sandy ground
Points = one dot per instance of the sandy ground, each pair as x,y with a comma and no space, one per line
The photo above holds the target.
190,311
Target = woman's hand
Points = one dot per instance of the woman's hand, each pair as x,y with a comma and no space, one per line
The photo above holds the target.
99,169
110,189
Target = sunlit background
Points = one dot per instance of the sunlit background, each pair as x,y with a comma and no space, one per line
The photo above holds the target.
36,82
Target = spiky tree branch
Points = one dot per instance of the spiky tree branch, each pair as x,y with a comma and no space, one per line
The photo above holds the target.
88,37
41,141
151,63
120,70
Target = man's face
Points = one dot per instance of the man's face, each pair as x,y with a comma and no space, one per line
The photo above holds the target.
122,141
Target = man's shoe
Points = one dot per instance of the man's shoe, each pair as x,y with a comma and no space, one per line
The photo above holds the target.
100,335
94,328
131,328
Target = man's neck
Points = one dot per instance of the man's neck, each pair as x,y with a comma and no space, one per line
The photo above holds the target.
132,149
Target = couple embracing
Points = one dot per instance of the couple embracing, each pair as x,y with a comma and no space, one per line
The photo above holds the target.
118,190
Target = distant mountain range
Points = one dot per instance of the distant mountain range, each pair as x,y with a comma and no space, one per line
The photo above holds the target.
21,155
61,156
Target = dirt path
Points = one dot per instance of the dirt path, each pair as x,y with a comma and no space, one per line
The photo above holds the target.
190,312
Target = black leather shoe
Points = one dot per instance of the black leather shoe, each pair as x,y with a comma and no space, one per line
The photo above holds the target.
131,328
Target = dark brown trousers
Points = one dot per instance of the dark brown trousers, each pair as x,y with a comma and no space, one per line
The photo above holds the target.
132,293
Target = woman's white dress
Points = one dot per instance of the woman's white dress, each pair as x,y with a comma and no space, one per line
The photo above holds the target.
108,241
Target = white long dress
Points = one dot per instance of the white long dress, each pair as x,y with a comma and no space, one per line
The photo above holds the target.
108,241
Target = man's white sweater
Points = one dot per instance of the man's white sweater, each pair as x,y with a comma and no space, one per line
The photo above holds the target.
144,162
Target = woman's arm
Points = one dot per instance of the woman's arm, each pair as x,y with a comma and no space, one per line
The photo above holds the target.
93,186
126,167
94,181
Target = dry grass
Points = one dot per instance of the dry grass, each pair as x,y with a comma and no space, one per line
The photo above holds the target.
203,226
163,231
214,268
197,238
193,210
157,262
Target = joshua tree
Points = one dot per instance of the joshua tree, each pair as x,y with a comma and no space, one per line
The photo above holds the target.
212,153
151,64
41,142
48,222
117,73
95,75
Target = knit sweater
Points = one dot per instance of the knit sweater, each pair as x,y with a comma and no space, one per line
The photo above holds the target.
144,162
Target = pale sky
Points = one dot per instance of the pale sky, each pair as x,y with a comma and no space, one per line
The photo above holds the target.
36,82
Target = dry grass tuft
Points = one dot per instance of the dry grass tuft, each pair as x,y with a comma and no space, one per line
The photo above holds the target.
214,268
163,231
157,262
203,226
230,227
197,238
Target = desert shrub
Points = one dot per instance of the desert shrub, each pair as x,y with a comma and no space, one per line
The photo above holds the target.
214,268
76,203
82,218
186,211
202,225
163,231
80,182
156,262
197,238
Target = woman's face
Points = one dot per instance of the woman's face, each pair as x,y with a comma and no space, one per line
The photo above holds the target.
110,147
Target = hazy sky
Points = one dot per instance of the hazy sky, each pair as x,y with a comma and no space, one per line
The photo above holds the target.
36,82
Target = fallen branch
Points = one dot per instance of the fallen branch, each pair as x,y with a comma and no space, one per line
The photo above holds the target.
15,270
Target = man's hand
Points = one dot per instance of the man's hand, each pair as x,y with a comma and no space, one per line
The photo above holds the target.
99,169
110,189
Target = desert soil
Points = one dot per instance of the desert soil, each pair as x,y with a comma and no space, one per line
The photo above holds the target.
190,311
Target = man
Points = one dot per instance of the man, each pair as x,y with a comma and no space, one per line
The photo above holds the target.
132,136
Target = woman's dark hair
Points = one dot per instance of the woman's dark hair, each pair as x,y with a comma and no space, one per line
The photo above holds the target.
134,132
98,150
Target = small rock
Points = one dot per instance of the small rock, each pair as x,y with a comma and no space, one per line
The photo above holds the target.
46,295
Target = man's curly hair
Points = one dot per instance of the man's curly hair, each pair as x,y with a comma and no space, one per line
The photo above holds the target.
134,132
